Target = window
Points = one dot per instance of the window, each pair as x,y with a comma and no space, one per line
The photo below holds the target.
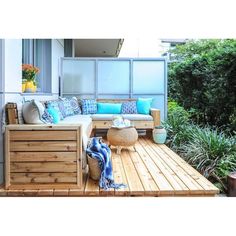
38,53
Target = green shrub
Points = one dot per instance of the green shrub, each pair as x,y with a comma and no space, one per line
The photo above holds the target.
208,150
202,80
177,125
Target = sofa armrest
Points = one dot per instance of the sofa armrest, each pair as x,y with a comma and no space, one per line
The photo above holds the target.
156,114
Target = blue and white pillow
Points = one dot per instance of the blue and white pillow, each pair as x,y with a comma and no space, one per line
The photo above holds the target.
89,106
129,107
75,105
47,117
57,105
66,107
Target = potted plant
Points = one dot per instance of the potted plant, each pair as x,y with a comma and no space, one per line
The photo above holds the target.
159,134
29,73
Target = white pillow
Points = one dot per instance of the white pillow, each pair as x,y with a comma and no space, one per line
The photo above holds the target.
32,112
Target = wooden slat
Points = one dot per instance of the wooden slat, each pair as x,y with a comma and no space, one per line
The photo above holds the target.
52,135
91,188
20,178
193,186
200,179
7,158
176,183
105,124
79,157
3,192
159,178
149,184
135,185
42,156
31,192
61,192
45,192
19,187
119,174
79,191
43,127
15,192
43,146
43,167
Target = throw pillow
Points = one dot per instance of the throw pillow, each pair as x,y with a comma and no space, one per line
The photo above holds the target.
32,112
89,106
65,107
20,112
54,114
109,108
74,103
58,106
144,105
47,117
129,108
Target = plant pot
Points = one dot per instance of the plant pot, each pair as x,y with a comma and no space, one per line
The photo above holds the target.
30,87
231,182
159,134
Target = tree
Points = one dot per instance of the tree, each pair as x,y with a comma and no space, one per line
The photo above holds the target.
202,78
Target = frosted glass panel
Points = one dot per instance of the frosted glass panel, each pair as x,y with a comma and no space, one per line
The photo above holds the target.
78,76
113,77
148,77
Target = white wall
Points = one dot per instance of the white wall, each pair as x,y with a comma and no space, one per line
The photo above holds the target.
13,62
1,104
11,81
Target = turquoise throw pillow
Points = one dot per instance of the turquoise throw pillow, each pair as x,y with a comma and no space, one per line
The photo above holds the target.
109,108
55,114
144,105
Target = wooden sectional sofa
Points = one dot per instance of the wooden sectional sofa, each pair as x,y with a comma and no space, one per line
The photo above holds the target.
53,156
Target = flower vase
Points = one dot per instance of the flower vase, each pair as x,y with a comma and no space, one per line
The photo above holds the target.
29,87
23,87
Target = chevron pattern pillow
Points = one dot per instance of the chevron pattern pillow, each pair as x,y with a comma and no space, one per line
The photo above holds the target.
129,108
89,106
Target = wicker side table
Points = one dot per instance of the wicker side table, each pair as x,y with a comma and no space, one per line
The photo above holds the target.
122,137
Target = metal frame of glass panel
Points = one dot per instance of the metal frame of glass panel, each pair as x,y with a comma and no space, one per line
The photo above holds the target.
131,93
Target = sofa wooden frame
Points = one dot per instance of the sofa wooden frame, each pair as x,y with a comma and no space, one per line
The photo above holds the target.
138,124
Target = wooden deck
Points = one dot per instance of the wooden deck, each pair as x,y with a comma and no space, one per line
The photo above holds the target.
151,170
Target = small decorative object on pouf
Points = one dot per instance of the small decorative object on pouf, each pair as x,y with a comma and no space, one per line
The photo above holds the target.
159,134
120,122
231,182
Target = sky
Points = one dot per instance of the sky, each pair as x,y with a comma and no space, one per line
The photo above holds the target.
139,47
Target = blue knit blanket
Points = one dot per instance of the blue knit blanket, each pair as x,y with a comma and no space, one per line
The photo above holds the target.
100,151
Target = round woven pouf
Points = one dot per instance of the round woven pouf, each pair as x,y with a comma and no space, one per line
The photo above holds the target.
122,137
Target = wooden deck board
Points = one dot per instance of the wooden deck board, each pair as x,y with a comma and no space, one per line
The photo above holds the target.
119,175
178,186
151,170
179,172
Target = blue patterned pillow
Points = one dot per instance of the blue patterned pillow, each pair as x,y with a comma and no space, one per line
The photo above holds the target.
129,108
89,106
66,107
47,117
57,105
75,105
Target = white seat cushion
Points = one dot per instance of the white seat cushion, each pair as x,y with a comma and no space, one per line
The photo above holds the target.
85,121
132,117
